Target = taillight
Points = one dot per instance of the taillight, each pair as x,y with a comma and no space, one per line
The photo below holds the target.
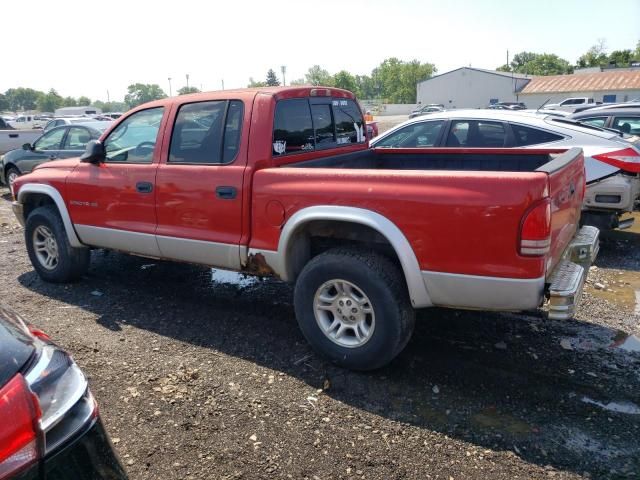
626,159
20,415
320,92
535,230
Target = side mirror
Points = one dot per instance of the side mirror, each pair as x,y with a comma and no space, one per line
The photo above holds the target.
27,146
94,153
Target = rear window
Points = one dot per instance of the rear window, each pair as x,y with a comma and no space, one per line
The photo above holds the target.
532,136
303,124
629,125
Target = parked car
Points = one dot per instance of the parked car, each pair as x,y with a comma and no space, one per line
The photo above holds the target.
571,104
27,122
623,119
50,427
607,106
507,106
10,138
427,109
60,142
612,161
113,115
57,122
280,181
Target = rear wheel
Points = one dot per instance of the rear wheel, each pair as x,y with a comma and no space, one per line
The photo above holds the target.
12,175
49,250
353,308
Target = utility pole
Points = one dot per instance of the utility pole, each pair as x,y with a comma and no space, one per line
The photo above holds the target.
108,99
222,83
187,80
283,69
170,93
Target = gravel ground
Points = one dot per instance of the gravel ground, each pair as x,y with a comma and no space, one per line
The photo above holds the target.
203,374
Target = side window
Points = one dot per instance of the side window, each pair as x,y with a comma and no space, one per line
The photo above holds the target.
233,130
323,125
292,127
630,125
134,140
532,136
77,139
458,133
595,121
488,135
50,140
349,123
424,134
197,133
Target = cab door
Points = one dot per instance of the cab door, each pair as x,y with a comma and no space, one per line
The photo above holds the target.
199,184
112,204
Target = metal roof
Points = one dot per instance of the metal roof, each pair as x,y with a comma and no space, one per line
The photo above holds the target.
519,76
587,82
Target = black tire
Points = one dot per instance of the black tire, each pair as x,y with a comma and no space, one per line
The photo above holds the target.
10,171
383,284
71,262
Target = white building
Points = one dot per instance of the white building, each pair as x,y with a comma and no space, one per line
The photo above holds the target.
619,85
469,87
77,111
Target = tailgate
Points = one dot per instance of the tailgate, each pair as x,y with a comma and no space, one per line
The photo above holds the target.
566,191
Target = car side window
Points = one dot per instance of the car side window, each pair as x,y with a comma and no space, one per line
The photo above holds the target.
476,134
349,122
532,136
50,140
423,134
207,132
292,127
134,140
595,121
77,139
630,125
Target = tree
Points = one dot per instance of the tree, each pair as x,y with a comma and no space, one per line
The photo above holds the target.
49,101
595,56
22,98
69,102
110,106
365,87
396,80
636,54
344,79
256,84
298,81
531,63
4,103
272,80
187,90
84,101
318,76
139,93
621,58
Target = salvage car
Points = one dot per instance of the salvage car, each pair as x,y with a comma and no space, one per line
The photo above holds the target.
612,160
280,181
50,427
10,138
624,119
59,142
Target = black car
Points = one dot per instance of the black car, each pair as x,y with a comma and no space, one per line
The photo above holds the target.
60,142
49,422
624,119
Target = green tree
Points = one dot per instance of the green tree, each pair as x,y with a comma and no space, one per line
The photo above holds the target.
4,103
345,80
22,98
187,90
272,80
365,87
298,81
621,58
69,102
636,54
256,84
537,64
84,101
318,76
396,80
595,56
504,68
49,101
139,93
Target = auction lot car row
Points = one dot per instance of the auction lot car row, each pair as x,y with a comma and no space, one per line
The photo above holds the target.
302,198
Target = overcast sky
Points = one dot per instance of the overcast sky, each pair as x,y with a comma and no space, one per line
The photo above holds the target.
88,47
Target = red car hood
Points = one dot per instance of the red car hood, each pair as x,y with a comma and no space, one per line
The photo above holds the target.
69,163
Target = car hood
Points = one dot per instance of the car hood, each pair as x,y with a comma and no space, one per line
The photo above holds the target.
16,344
67,163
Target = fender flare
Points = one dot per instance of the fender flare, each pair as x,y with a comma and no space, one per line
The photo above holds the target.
408,261
54,194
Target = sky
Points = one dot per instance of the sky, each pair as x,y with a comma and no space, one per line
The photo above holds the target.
90,48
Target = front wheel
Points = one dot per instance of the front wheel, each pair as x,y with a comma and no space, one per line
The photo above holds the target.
49,250
353,308
12,175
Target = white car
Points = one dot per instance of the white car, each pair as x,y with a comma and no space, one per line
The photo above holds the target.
56,122
612,160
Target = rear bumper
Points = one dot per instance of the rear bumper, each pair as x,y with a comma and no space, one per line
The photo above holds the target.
618,193
567,279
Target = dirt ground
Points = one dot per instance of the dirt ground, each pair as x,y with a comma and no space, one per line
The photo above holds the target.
203,374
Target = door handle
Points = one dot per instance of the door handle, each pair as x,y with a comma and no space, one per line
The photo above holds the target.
52,157
226,193
144,187
13,135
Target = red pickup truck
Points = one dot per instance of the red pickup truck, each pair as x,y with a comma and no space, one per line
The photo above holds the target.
280,181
